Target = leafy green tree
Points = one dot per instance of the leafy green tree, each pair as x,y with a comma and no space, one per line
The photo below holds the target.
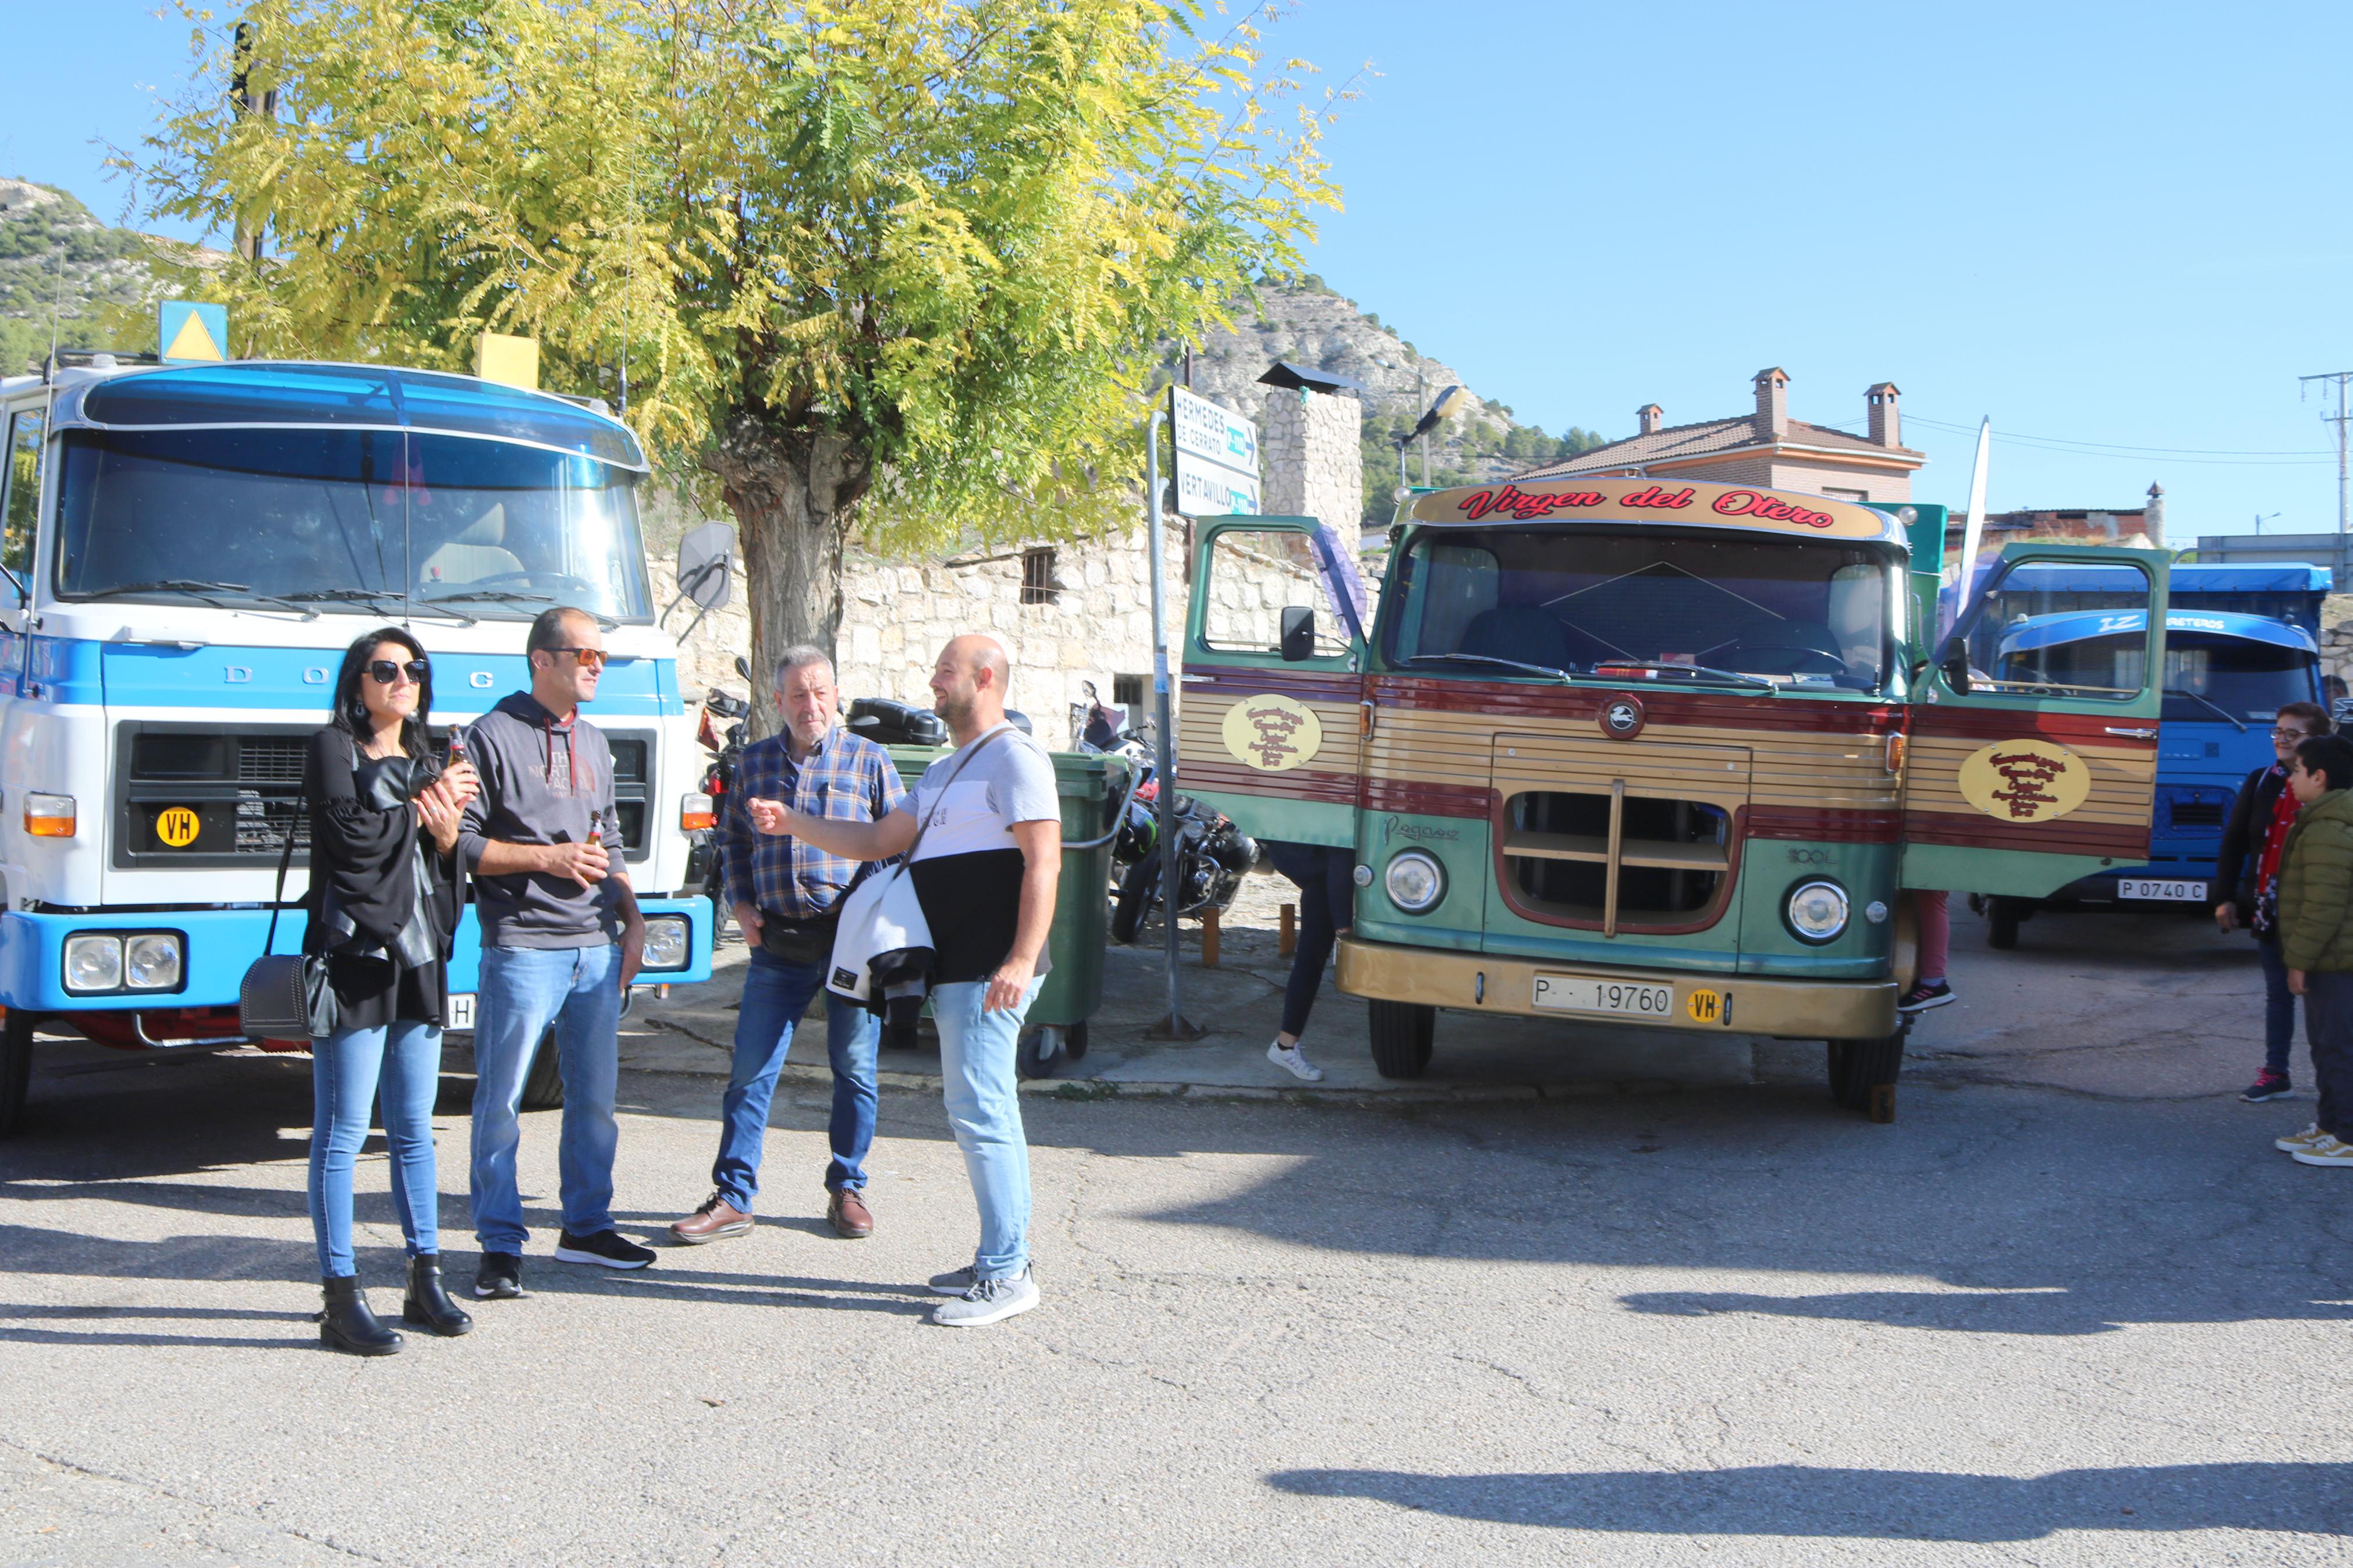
895,263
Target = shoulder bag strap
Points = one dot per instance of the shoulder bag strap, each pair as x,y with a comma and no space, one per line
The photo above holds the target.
285,859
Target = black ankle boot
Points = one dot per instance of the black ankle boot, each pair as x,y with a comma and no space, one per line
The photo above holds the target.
428,1305
348,1326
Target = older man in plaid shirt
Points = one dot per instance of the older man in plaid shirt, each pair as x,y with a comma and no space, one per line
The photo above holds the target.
787,896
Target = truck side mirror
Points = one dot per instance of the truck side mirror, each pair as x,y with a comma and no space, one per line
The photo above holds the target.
703,571
1298,633
1954,660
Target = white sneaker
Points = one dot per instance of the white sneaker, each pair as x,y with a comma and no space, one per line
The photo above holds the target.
2303,1140
2328,1150
1294,1061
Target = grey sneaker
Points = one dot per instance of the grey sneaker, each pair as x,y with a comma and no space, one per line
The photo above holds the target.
956,1281
989,1301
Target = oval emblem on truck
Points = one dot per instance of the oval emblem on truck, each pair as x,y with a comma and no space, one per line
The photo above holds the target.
1272,733
2025,781
1621,716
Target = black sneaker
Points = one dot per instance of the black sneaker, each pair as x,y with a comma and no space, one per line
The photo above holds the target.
500,1278
2268,1086
607,1249
1926,995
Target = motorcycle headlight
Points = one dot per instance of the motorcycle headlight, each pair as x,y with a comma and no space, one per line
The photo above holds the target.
1415,881
1816,911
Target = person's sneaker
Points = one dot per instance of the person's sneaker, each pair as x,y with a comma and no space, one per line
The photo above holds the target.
994,1300
1294,1061
716,1220
955,1281
607,1249
2267,1086
499,1277
2303,1140
1926,995
2328,1150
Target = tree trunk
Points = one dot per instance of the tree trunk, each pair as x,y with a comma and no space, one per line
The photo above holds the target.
793,492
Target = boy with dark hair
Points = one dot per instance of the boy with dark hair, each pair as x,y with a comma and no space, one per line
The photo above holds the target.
2315,906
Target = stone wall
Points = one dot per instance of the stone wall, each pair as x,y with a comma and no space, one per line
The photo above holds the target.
2336,635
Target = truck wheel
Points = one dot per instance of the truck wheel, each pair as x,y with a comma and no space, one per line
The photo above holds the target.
542,1086
1074,1040
2001,924
1871,1066
16,1067
1401,1032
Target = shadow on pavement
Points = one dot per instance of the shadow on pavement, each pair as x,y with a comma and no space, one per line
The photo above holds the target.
1908,1505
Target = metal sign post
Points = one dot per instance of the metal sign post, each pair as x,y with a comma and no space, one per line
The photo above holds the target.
1172,1026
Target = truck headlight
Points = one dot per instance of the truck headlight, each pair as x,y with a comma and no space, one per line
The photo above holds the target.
151,962
1816,911
93,962
1415,881
666,942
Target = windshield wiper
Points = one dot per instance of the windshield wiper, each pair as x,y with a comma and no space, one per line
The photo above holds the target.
1698,671
196,588
375,600
1490,659
499,596
2218,708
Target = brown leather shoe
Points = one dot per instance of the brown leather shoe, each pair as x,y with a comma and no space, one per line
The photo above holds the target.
848,1213
716,1220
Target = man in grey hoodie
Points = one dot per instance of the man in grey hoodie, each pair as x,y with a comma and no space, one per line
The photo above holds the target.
561,941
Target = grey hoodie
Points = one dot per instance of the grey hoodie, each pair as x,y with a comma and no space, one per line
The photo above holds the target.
543,783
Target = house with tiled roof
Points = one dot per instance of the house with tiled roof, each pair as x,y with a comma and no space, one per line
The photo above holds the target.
1766,448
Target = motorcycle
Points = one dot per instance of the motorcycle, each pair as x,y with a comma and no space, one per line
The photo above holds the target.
1212,857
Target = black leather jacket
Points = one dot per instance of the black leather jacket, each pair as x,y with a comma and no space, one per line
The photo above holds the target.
2242,840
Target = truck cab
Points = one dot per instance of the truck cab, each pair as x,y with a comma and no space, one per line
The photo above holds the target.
1625,752
188,550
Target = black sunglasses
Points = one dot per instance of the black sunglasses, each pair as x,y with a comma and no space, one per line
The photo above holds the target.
382,670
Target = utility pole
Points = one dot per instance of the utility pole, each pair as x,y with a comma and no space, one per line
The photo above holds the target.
2340,419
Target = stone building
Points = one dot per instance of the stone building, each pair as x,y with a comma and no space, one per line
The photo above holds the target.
1073,611
1766,448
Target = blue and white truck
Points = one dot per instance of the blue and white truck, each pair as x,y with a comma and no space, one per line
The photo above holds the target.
187,550
2239,642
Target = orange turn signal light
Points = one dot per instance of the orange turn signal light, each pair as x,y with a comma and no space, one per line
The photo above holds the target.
695,813
1896,753
49,816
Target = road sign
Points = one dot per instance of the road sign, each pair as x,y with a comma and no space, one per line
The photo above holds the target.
187,333
1217,457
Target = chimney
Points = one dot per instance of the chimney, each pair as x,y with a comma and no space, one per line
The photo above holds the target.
1772,404
2153,520
1650,417
1885,423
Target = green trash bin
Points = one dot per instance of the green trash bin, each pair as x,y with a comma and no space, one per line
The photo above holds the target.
1091,788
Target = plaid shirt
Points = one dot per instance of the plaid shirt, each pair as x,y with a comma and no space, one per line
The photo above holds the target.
847,776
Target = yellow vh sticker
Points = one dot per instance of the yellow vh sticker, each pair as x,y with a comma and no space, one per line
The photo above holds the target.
1272,733
177,827
1705,1006
2025,781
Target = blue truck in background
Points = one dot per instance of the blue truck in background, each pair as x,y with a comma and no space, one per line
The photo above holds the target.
2241,640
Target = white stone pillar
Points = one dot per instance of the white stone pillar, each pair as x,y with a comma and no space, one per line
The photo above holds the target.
1311,466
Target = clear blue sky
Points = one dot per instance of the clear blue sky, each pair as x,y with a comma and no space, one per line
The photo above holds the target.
2108,225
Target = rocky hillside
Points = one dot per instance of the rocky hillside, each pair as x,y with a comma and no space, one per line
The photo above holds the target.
1301,320
56,258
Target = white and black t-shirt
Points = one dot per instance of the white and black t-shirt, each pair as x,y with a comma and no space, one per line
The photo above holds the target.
968,869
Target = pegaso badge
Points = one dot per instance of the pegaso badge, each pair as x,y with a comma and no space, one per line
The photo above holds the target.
1621,717
1272,733
2025,781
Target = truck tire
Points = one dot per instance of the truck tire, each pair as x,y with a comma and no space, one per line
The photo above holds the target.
542,1086
1401,1035
1871,1065
16,1067
2001,924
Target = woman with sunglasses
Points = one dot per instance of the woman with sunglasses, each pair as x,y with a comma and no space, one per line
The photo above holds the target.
382,907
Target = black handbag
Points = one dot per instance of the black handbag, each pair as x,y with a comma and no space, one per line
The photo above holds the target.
285,996
796,942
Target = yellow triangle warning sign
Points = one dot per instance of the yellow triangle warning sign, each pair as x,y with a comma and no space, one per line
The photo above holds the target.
191,332
193,342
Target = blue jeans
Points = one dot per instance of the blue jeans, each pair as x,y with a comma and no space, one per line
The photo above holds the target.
985,1109
2279,1008
346,1068
522,991
776,994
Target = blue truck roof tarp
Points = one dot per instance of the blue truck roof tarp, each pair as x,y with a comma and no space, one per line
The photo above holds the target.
2049,631
2218,577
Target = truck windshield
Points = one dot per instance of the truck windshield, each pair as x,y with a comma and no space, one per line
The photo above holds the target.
271,516
2208,680
1795,614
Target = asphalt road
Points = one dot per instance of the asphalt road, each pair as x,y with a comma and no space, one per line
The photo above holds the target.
2070,1307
